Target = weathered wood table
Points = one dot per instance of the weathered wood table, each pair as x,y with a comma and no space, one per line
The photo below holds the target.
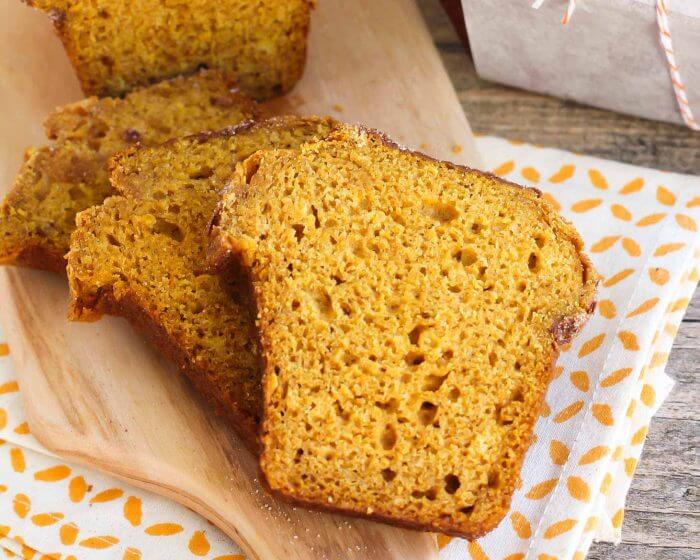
662,518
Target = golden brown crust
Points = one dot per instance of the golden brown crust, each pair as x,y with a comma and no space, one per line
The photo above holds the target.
227,256
149,325
39,257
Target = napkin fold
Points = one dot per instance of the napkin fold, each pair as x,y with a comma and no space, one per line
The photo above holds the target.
640,227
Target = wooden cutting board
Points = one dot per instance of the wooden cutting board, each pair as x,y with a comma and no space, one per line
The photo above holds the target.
97,394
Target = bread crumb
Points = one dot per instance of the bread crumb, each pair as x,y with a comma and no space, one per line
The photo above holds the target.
337,107
456,149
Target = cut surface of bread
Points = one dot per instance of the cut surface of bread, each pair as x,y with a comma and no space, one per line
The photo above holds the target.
61,179
116,45
409,313
142,255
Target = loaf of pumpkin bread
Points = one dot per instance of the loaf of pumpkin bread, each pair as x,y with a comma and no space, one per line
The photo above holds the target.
142,255
117,45
69,175
409,312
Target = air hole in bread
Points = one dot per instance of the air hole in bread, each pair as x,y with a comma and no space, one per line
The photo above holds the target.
392,405
492,359
197,307
164,227
113,240
349,358
343,414
494,479
414,358
440,211
317,222
427,413
533,262
107,61
298,231
540,241
476,227
504,415
452,483
251,168
466,510
388,437
466,256
433,382
98,130
398,218
388,475
454,394
324,303
415,334
203,173
518,395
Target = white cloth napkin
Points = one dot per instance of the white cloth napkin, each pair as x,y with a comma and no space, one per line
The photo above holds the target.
640,228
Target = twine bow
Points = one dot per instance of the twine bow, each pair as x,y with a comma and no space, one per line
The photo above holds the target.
666,42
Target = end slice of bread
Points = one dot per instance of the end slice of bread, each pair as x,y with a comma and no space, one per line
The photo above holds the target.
142,255
410,312
117,45
60,180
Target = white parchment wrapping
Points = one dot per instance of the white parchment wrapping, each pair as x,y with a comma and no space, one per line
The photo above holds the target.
607,56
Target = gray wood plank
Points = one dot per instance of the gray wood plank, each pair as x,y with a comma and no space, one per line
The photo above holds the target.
632,551
684,367
661,522
671,448
662,529
664,494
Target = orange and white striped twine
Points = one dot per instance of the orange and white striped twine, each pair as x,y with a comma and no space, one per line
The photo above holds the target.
679,88
569,10
667,46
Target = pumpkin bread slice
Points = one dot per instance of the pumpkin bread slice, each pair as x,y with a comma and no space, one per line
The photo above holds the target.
117,45
410,312
142,254
58,181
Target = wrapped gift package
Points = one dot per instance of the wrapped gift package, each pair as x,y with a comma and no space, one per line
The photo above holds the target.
611,54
